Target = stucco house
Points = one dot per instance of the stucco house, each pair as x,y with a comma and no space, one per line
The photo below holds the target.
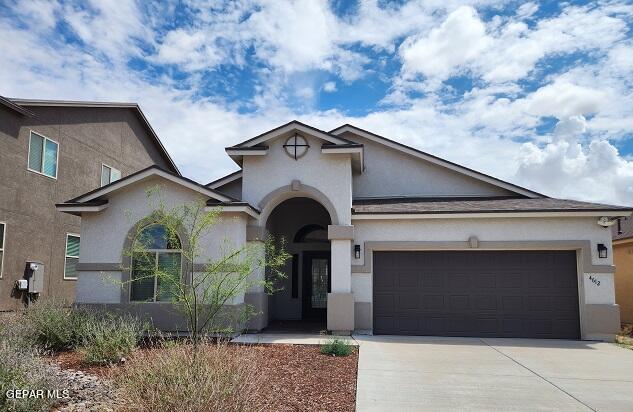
384,238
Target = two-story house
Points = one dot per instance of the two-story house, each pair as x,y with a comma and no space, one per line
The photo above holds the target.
51,151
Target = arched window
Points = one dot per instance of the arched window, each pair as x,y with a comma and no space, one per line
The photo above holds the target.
156,264
311,233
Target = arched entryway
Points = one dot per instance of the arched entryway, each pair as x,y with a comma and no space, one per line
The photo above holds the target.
301,302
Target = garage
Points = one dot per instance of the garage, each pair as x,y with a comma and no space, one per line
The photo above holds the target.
526,294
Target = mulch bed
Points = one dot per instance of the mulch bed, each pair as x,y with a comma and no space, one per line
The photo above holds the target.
298,377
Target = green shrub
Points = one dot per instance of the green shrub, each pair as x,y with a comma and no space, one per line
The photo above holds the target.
55,325
176,377
336,347
107,338
21,368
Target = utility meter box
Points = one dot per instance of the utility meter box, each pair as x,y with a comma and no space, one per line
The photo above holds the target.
35,276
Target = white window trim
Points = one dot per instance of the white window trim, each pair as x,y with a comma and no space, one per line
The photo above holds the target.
2,249
66,254
111,169
43,155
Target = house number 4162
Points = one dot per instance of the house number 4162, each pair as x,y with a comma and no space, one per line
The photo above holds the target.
594,280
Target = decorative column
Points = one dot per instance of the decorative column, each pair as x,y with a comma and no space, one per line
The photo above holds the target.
340,301
257,297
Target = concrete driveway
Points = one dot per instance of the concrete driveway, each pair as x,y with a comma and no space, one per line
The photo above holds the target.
397,373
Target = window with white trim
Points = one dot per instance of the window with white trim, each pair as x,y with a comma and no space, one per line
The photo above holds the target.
156,265
72,256
3,230
109,174
43,155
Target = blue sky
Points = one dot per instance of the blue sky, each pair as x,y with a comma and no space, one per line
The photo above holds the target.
537,93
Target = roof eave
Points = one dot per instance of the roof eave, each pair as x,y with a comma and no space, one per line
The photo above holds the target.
488,214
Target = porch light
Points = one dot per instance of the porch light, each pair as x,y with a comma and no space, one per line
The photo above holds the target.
357,251
602,251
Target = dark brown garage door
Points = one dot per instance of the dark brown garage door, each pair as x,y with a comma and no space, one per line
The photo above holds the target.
531,294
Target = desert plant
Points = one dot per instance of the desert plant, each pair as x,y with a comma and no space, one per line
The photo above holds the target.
176,377
107,338
22,369
54,324
336,347
200,294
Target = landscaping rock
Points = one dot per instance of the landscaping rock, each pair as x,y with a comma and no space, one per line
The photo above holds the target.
87,392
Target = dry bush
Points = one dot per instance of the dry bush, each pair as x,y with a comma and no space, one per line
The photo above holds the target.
175,377
21,368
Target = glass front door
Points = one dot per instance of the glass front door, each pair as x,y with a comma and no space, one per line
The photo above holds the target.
316,282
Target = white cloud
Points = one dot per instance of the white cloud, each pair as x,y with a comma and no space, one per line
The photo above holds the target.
458,40
567,169
329,87
485,129
562,99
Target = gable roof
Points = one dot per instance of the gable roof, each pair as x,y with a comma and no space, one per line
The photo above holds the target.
436,160
93,201
15,107
231,177
146,173
284,128
20,103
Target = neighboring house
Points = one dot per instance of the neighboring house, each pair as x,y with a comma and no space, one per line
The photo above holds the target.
51,151
623,260
384,238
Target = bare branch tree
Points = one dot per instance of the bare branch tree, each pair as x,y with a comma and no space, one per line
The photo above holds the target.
168,248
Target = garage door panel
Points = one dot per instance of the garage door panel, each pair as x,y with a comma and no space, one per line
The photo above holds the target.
459,303
476,293
485,302
433,302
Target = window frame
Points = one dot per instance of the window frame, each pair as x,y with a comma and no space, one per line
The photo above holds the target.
3,247
28,157
111,169
154,252
66,256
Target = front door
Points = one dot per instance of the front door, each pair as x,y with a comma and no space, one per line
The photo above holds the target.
316,284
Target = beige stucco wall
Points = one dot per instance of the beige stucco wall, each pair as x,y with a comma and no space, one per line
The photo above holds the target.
331,174
500,230
390,172
104,235
623,260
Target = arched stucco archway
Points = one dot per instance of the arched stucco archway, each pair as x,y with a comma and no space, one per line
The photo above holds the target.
281,194
301,297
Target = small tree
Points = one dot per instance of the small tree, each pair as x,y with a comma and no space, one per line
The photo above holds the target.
205,285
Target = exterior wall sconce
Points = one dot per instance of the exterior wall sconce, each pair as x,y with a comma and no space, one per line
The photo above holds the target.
602,251
357,251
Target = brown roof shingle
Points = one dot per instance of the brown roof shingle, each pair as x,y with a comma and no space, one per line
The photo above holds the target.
476,205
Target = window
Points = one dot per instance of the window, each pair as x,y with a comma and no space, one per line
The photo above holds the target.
2,237
72,256
109,175
158,251
43,155
311,233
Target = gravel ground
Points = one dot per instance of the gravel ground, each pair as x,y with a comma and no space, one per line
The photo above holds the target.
299,378
88,392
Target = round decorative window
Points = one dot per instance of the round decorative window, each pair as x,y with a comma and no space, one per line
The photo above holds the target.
296,146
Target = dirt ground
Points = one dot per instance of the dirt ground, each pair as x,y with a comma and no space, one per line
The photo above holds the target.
298,377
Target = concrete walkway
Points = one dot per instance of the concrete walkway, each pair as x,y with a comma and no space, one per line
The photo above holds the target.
289,338
398,373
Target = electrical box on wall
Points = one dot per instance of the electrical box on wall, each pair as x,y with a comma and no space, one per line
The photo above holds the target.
35,276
